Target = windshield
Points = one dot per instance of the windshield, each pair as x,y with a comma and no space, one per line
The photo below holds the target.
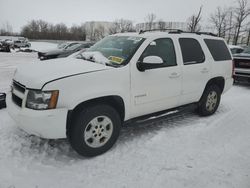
116,50
247,50
75,46
61,46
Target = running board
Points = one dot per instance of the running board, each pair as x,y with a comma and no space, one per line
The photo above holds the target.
162,114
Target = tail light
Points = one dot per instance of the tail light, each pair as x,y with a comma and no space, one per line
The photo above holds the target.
233,67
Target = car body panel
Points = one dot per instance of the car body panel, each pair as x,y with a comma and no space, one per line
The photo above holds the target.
31,75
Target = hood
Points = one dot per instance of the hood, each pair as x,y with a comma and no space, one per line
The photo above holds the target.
54,52
242,55
35,75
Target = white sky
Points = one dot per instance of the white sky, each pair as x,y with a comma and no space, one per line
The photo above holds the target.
19,12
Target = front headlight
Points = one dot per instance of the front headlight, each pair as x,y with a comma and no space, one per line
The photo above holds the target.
42,100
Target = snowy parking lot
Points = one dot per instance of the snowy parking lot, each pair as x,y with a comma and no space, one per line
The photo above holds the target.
180,150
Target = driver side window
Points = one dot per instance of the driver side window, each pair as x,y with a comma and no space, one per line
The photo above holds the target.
163,48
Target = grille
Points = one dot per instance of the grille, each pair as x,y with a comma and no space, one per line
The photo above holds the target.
18,101
18,93
242,63
18,87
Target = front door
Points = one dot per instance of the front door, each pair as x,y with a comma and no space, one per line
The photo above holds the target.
158,88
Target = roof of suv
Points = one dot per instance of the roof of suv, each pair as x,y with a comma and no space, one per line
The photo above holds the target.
151,34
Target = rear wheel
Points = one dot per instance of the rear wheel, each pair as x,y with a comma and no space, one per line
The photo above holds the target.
210,100
95,129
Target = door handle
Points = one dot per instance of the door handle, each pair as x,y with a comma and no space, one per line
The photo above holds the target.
205,70
174,75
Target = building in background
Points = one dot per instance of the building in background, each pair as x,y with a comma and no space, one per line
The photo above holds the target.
161,25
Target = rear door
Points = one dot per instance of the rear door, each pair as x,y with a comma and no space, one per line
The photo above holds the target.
221,58
196,70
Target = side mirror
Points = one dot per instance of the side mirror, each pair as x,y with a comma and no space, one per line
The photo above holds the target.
149,62
153,60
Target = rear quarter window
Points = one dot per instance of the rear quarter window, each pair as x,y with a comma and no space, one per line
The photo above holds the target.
218,49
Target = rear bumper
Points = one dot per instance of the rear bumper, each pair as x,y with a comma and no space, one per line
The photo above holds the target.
49,124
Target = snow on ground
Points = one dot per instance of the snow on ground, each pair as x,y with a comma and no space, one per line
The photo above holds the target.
181,150
8,64
9,61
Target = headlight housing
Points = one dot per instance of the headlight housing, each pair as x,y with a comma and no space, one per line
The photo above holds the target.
42,100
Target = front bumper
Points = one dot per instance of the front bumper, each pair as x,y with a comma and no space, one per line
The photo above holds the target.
50,124
239,72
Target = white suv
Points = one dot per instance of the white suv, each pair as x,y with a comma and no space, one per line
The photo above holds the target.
123,77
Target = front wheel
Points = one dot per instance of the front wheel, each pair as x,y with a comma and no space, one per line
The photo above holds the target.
210,100
94,130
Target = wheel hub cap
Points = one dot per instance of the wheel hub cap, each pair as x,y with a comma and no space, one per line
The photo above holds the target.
211,101
98,131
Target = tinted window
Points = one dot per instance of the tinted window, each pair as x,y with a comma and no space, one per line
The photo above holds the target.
163,48
191,51
233,50
247,50
236,50
218,49
88,45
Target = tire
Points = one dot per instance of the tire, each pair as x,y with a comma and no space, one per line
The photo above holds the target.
210,100
94,130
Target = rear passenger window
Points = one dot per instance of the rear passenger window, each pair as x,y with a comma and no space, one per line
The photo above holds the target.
192,52
218,49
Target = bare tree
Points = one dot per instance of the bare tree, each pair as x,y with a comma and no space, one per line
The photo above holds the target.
248,38
79,32
230,24
99,32
43,28
121,26
219,21
90,29
161,25
39,29
150,18
114,28
6,29
241,13
193,22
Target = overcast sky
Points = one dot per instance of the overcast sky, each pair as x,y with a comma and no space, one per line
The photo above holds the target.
19,12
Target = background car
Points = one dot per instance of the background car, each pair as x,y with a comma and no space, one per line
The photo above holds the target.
66,45
21,43
65,52
235,49
4,47
242,65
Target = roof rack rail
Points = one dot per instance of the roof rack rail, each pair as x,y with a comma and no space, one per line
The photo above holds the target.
170,30
201,33
206,33
178,31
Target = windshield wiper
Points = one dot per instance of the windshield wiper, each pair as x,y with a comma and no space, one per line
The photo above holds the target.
112,65
87,59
